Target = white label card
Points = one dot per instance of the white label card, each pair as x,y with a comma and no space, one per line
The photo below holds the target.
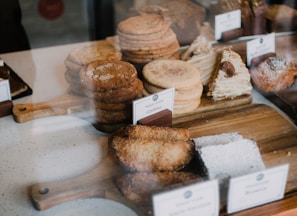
192,200
260,46
152,104
4,90
227,21
257,188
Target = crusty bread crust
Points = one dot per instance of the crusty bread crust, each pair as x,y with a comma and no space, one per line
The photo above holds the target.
152,155
151,148
155,132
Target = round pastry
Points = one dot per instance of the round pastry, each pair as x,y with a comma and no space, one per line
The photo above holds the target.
111,116
101,50
146,37
110,106
144,43
120,95
185,78
171,73
144,24
273,74
179,95
108,74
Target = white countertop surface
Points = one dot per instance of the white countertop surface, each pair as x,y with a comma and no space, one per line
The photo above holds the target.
51,148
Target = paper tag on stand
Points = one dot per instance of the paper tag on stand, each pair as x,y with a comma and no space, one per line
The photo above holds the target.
193,200
257,188
4,90
260,46
152,104
227,21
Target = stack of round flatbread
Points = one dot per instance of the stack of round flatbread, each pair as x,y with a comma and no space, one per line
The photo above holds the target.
111,85
81,56
161,74
147,37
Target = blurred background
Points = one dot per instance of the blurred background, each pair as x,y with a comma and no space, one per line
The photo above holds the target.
56,22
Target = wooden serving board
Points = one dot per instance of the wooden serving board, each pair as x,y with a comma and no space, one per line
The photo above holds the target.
275,135
70,103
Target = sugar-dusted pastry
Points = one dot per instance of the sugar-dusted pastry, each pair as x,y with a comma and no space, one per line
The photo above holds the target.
273,74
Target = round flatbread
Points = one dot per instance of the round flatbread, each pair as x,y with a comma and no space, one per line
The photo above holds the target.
167,73
145,44
93,52
142,25
179,95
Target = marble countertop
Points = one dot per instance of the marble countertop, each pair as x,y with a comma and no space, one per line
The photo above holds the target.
52,148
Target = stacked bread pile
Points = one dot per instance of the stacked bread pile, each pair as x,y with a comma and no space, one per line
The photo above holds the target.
111,85
147,37
203,56
154,158
81,56
162,74
231,77
186,18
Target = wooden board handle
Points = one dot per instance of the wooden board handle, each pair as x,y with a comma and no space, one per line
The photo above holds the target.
58,106
95,183
47,195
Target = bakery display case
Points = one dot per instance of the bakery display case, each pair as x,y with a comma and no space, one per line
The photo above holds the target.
224,145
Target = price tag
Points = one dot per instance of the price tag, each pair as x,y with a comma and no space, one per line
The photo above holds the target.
152,104
193,200
4,90
257,188
260,46
227,21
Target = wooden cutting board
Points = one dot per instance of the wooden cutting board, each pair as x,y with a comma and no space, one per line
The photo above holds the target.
275,135
70,103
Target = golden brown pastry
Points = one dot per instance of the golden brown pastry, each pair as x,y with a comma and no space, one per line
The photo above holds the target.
274,74
139,150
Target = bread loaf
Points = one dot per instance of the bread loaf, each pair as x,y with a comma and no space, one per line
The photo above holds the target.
139,148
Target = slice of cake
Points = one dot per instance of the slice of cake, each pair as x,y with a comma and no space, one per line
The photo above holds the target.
203,56
227,155
231,77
